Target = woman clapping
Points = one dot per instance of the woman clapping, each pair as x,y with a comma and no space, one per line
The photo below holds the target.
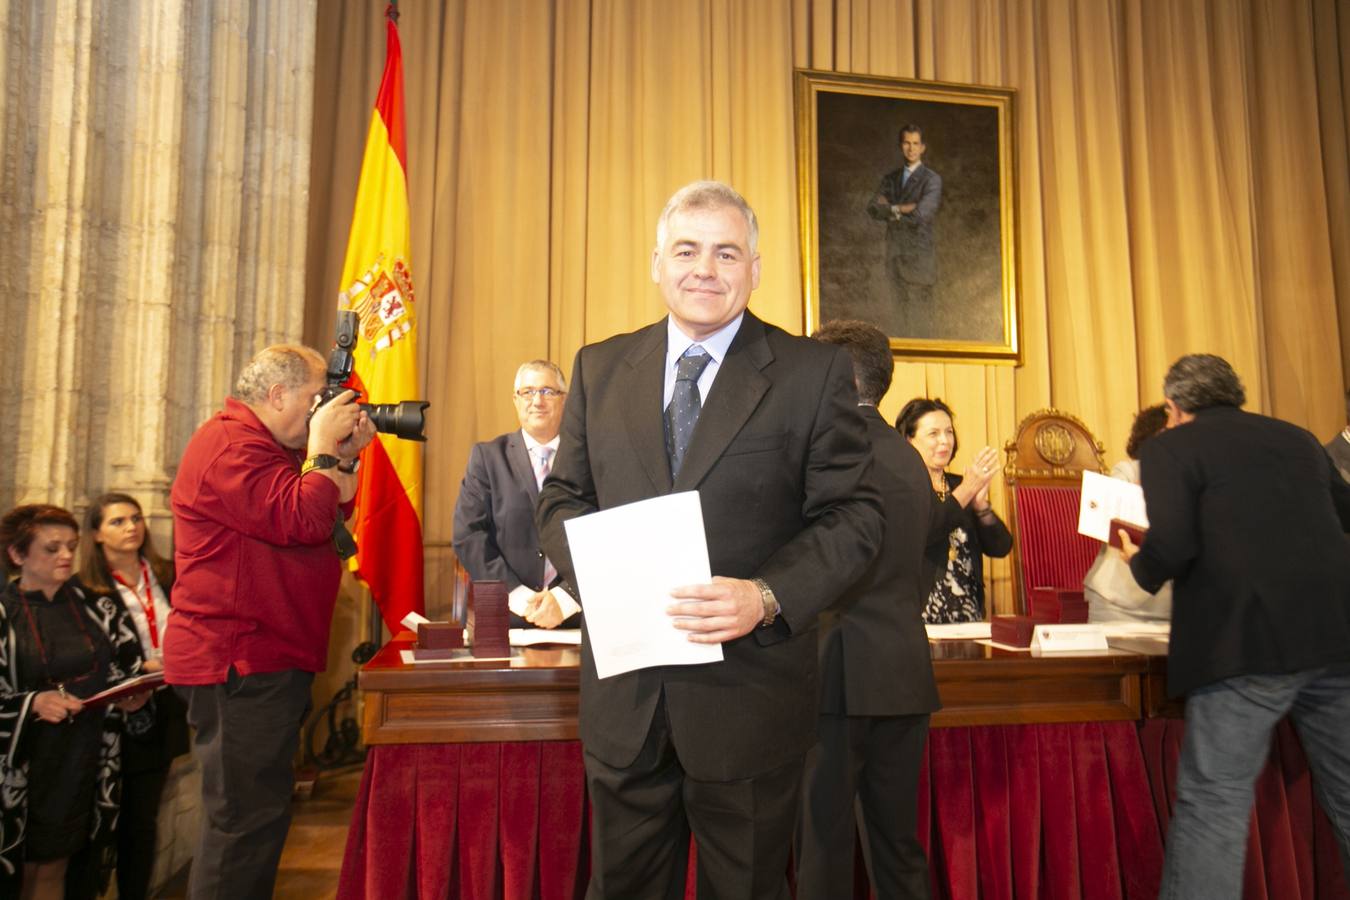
965,527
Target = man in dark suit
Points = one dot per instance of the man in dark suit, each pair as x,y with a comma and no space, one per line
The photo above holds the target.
1248,518
764,426
494,537
876,677
1338,448
907,201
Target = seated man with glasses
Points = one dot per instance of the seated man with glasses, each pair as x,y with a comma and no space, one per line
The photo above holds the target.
495,536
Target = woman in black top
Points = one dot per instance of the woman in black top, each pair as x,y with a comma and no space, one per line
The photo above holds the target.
59,644
964,527
117,555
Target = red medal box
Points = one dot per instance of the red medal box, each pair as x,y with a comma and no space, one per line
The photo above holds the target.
490,620
1061,605
439,640
1012,631
440,635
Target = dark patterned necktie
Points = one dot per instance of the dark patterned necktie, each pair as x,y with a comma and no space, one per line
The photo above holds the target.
545,455
682,414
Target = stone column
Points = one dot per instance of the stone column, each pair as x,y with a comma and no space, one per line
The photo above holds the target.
154,170
154,194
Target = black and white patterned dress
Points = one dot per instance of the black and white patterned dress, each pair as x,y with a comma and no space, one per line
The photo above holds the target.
101,624
953,562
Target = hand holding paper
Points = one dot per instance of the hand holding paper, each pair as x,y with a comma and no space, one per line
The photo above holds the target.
1122,535
722,611
627,561
1103,499
140,685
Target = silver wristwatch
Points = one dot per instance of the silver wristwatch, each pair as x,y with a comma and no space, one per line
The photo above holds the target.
769,600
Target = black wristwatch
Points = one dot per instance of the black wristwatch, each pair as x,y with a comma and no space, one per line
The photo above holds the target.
319,461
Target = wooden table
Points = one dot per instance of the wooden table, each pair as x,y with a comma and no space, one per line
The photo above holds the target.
533,696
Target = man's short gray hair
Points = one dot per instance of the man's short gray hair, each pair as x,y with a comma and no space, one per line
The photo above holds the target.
289,365
707,195
1200,380
540,365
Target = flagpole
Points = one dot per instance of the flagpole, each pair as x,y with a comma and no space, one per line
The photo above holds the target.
377,286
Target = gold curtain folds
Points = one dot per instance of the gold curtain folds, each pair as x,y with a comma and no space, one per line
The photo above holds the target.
1182,186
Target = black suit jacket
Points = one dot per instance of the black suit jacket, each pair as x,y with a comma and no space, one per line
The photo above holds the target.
1247,516
157,733
495,536
781,463
874,658
1338,448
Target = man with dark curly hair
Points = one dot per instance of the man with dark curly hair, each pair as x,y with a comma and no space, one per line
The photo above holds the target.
876,676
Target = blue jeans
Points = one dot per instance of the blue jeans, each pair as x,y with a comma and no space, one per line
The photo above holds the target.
1228,730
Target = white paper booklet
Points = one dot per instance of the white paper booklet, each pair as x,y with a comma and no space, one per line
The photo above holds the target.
626,560
957,631
528,637
1104,498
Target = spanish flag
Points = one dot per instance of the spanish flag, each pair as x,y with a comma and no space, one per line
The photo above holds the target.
377,283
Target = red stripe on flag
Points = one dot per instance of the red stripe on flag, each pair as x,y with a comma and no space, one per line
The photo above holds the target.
389,101
390,535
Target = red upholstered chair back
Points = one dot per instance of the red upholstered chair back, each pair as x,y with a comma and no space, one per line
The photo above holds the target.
1044,472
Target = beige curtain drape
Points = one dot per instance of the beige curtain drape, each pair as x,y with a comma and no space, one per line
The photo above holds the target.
1181,174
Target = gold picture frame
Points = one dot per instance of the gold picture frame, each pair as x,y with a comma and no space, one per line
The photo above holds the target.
938,275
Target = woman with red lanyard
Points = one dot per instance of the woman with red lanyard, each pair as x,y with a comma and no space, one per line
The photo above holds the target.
117,555
60,643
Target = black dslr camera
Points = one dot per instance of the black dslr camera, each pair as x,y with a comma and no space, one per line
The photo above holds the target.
406,419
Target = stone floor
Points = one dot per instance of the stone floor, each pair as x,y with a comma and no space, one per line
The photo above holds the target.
313,856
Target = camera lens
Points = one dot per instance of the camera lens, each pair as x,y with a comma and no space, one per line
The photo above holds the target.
406,420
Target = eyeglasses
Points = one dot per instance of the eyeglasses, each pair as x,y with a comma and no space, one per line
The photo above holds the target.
546,393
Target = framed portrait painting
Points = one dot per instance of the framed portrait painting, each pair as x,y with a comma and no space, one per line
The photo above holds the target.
907,207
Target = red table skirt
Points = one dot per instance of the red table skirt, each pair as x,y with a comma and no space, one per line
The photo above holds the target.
1291,850
1026,811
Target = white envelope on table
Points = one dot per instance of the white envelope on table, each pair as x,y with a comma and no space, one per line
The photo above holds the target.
1102,499
626,560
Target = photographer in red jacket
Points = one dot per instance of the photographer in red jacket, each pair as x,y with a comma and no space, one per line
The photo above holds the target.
260,489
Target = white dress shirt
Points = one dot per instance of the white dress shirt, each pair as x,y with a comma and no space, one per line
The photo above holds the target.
133,599
716,344
519,596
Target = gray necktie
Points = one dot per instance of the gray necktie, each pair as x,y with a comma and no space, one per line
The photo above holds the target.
682,414
541,471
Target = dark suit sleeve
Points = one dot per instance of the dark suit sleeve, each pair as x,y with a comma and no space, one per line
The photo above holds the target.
929,200
1340,495
841,502
995,538
475,540
879,205
569,490
1173,539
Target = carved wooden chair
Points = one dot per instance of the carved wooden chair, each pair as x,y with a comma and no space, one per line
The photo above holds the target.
1044,473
